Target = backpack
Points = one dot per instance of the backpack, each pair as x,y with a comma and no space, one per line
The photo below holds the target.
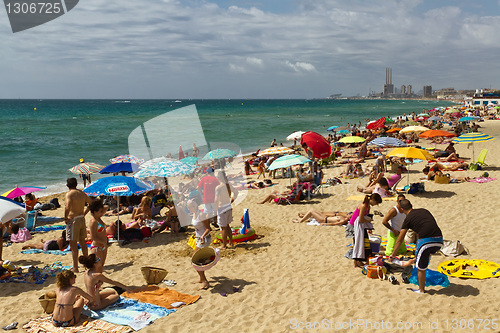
55,202
453,248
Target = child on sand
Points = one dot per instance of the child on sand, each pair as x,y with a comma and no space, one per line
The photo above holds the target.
69,300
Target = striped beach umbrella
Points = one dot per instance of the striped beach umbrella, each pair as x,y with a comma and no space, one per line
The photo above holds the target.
275,151
23,190
218,154
473,137
387,141
86,168
287,161
127,159
166,169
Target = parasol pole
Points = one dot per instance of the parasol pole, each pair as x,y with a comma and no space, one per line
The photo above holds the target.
118,221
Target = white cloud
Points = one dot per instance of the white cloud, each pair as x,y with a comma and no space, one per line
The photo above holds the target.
255,61
301,66
236,69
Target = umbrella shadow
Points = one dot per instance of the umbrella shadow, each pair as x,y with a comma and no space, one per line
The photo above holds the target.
436,194
117,267
226,286
15,289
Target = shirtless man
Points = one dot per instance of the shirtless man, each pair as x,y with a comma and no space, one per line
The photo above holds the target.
74,217
223,203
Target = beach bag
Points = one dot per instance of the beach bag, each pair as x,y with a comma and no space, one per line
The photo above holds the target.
441,179
48,301
411,236
453,248
192,242
153,275
22,236
374,272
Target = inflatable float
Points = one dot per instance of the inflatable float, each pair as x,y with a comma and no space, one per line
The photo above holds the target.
237,236
470,269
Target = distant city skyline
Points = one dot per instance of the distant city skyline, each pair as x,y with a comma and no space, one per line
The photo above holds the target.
251,49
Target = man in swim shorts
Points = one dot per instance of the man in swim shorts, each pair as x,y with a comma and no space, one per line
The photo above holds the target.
430,239
74,217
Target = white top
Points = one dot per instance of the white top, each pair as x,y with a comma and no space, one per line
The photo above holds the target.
397,221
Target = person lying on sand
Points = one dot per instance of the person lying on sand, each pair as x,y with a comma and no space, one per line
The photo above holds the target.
54,244
325,218
382,188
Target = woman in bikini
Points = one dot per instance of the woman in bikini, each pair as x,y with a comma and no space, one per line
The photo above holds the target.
141,213
69,300
325,218
98,232
93,281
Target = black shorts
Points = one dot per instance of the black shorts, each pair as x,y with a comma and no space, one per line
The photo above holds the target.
424,254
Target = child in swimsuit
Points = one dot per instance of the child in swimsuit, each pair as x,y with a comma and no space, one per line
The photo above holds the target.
69,300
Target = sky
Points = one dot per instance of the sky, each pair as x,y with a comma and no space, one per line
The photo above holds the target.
251,49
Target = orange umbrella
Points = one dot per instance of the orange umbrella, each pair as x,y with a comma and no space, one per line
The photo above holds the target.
395,129
436,133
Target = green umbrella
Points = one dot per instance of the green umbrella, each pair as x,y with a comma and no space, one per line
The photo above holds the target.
352,139
410,123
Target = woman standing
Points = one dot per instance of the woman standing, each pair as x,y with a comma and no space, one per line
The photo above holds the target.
362,222
98,232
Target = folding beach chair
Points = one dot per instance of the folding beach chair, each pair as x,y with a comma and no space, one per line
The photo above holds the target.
482,157
30,220
293,196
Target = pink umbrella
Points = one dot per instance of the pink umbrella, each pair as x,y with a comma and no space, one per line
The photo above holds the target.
20,191
181,153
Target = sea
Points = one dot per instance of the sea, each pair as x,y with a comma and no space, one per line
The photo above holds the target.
42,139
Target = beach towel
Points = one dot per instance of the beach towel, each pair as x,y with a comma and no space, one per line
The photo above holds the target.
47,228
33,251
360,197
35,275
126,310
160,296
48,219
409,246
482,180
45,324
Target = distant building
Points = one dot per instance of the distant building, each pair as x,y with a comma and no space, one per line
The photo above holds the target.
388,86
427,91
403,89
409,89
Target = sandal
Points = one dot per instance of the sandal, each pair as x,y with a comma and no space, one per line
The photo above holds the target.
12,326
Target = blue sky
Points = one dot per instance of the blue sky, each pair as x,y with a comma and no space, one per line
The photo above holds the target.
251,49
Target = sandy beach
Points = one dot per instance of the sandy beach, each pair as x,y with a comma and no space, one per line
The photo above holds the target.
294,276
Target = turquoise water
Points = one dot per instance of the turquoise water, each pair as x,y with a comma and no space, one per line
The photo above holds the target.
39,146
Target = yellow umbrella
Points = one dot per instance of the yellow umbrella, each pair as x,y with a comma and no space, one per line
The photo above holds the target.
352,139
275,151
411,152
411,129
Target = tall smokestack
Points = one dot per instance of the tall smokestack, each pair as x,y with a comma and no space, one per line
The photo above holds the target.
390,77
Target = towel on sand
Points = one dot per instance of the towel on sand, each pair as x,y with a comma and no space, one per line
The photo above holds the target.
362,196
126,310
160,296
40,325
56,252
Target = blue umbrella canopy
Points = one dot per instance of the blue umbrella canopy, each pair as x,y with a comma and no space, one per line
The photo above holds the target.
288,160
468,119
218,153
117,185
166,169
343,132
331,128
388,142
190,160
120,167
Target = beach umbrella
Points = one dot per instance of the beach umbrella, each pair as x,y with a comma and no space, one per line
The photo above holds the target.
456,114
181,153
332,128
389,121
120,186
352,139
287,161
411,129
436,133
295,136
23,190
387,141
411,153
411,123
395,129
317,142
166,169
190,160
218,154
435,118
86,168
343,131
275,151
421,118
473,137
468,119
9,209
423,115
452,110
120,167
127,158
156,160
376,124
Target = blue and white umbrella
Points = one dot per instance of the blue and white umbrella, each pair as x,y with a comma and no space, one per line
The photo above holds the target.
10,209
388,141
332,128
190,160
171,168
468,118
287,161
119,186
218,154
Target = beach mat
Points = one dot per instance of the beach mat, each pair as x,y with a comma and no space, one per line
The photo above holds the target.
160,296
126,310
45,324
409,246
33,251
359,197
47,228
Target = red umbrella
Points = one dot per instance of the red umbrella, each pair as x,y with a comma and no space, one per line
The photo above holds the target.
317,142
181,153
376,124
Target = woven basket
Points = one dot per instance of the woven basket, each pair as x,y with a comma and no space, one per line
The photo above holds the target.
153,275
48,303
